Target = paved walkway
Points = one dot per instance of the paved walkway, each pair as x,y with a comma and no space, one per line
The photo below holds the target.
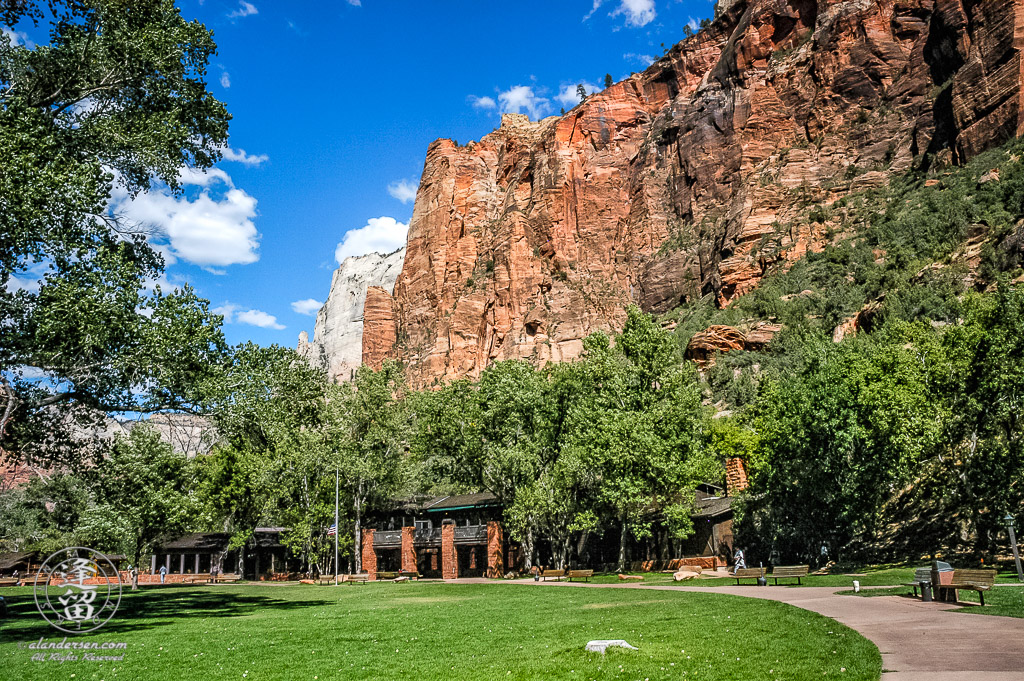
919,641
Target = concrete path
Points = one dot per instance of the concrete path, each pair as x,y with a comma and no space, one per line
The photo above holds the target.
918,641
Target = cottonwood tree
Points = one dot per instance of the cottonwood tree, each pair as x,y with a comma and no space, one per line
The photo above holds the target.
365,435
263,402
646,430
144,486
117,98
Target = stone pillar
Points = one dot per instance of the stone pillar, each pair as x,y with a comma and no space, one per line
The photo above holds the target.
495,540
735,475
168,564
197,564
449,557
153,565
181,569
369,555
408,550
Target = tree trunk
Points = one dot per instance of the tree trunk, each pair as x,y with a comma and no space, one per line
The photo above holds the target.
581,547
622,546
359,526
528,549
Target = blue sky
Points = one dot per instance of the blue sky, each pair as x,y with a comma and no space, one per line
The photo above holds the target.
334,104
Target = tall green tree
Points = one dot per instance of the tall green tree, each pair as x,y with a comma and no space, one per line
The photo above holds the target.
366,436
116,98
145,485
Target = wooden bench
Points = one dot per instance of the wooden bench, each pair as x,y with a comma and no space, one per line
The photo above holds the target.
585,575
8,581
230,577
387,574
411,574
198,578
554,574
970,580
789,572
361,578
748,573
922,576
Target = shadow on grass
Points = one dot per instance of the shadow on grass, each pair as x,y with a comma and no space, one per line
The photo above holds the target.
152,608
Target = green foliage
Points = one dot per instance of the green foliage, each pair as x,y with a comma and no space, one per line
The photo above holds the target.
116,99
145,487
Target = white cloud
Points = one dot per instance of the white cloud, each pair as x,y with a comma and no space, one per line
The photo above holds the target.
380,235
644,60
355,3
637,12
225,80
597,4
522,98
244,9
694,26
482,102
309,306
206,229
259,318
570,98
17,37
240,156
233,314
403,190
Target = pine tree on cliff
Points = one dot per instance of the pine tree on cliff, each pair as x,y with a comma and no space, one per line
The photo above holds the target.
608,81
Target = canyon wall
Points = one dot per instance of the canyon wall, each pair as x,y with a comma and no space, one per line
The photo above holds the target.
694,178
337,345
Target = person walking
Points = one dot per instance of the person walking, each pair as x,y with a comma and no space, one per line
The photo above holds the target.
739,562
163,573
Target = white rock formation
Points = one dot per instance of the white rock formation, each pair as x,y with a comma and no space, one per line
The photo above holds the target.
337,345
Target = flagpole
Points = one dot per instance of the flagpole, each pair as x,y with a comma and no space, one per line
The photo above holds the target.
335,526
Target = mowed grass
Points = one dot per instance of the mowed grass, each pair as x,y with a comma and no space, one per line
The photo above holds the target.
867,576
1007,601
425,631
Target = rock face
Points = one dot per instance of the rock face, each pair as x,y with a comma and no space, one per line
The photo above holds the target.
704,345
337,345
696,177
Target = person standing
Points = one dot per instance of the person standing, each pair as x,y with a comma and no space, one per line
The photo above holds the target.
163,573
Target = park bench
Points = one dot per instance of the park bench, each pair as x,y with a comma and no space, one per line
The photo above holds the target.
748,573
585,575
386,574
8,581
789,572
230,577
362,578
922,578
197,578
411,574
970,580
554,574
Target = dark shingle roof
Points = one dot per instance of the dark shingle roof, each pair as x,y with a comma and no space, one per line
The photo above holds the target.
456,501
711,507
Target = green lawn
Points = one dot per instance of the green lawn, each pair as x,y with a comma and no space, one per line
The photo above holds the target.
1002,600
425,631
869,576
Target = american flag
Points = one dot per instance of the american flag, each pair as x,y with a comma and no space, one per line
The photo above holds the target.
332,530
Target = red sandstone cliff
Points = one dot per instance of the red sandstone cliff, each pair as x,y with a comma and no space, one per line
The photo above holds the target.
694,177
